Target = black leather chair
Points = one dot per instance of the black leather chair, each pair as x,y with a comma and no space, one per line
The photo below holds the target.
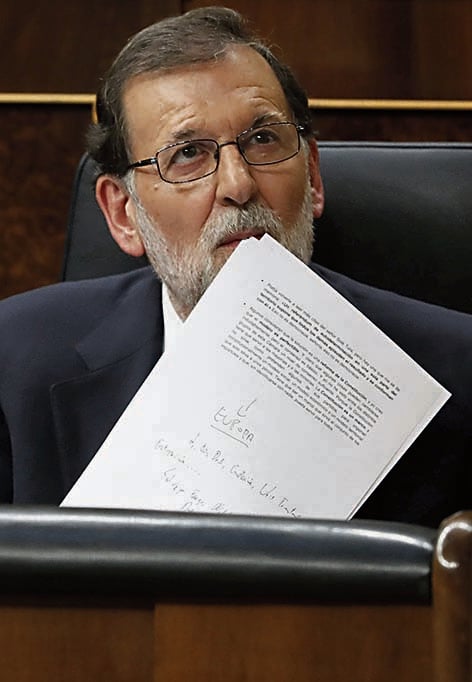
397,216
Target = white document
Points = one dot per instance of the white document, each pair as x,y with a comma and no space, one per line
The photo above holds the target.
279,398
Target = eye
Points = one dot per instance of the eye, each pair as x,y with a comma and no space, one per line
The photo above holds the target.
189,152
186,160
263,136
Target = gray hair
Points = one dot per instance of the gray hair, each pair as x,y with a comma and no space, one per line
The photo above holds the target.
199,36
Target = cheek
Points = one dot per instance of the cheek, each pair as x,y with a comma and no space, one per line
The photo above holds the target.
285,194
179,212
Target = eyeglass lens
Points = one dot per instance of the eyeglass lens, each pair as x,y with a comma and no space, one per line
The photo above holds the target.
195,159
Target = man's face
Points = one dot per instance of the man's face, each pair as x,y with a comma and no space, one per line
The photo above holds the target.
189,230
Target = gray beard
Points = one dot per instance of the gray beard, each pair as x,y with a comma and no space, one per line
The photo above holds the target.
188,271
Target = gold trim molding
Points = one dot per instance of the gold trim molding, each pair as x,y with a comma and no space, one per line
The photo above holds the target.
392,104
366,104
45,98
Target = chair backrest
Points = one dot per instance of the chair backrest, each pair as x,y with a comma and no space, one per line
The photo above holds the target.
90,250
397,216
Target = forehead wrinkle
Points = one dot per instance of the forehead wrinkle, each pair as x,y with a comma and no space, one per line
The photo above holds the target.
275,115
188,134
189,123
182,129
192,119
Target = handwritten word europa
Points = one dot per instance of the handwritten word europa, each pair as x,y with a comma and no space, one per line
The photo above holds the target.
233,424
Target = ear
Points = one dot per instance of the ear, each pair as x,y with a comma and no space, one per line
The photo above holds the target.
119,211
315,179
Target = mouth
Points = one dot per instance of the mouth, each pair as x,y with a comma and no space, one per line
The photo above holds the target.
233,240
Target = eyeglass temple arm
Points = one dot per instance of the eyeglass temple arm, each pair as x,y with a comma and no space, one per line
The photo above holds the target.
144,162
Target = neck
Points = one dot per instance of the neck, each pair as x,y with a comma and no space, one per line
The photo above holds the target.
182,310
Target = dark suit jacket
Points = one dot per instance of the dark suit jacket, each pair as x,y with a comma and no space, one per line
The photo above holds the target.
72,356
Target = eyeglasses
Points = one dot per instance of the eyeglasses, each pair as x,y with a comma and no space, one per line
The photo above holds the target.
195,159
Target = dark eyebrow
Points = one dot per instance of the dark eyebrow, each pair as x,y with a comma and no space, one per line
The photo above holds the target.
189,134
273,117
184,135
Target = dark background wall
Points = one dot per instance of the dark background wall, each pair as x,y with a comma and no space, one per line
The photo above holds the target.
340,50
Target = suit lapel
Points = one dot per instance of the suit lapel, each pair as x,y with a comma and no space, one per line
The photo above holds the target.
118,354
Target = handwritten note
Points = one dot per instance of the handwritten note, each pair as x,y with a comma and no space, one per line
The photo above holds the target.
295,404
234,425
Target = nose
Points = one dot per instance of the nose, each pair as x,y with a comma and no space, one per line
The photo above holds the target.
235,183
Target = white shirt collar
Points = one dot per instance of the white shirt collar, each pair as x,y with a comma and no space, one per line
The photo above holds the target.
172,322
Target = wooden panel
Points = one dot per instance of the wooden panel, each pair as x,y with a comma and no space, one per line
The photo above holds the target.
348,48
395,126
402,49
260,643
210,643
63,46
60,644
39,150
442,51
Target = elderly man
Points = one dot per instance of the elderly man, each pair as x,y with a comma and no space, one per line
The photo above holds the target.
203,139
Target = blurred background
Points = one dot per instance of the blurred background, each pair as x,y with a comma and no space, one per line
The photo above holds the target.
394,70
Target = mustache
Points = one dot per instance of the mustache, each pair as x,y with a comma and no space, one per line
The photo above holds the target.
240,221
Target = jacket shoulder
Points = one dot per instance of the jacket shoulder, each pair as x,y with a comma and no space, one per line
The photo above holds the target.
73,299
67,310
437,338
